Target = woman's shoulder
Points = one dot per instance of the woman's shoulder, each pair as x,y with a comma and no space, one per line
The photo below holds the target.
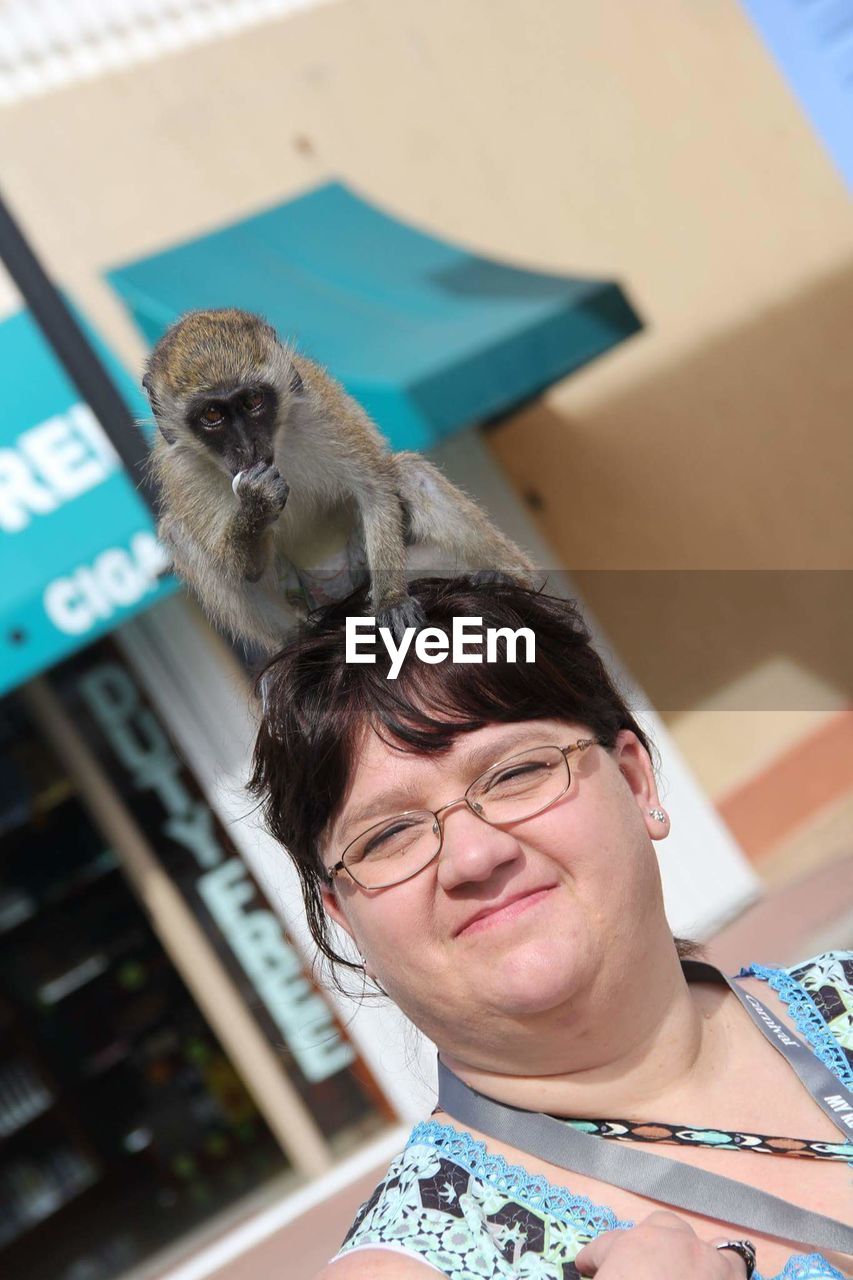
829,968
818,994
376,1264
826,980
410,1216
833,967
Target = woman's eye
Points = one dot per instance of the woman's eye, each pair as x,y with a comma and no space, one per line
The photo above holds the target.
253,401
381,838
211,416
391,840
522,772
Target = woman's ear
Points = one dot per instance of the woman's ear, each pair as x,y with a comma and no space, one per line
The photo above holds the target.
332,908
636,768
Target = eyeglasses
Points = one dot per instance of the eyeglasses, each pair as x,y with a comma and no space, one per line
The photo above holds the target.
398,848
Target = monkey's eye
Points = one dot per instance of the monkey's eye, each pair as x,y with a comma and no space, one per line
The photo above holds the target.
212,416
253,401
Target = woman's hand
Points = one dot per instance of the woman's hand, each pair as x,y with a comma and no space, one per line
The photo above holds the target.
661,1245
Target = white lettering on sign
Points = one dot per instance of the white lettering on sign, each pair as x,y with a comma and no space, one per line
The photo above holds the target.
304,1018
51,464
254,936
117,578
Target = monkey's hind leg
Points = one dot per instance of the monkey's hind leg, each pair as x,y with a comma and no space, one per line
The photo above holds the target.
382,526
442,515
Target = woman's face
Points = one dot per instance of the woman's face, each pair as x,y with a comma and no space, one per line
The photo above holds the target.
513,922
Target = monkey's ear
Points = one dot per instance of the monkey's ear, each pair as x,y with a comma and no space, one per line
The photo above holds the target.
296,384
167,433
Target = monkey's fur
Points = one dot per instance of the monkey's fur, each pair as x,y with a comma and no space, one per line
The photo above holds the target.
265,466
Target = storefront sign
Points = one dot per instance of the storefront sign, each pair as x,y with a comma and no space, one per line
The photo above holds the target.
77,544
51,464
195,850
88,594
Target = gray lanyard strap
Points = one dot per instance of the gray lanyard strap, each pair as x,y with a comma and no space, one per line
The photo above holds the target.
658,1177
826,1089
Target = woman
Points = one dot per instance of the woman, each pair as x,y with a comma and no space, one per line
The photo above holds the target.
484,834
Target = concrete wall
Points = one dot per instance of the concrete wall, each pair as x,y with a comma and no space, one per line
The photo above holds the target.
657,143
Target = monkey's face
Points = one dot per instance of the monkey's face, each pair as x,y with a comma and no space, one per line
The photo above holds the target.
220,383
236,424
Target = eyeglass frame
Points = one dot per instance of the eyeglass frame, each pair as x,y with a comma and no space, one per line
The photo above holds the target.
581,744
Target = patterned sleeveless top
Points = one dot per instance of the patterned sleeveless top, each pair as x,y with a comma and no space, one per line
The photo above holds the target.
470,1215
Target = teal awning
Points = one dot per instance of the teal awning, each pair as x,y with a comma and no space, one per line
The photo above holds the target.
79,554
427,336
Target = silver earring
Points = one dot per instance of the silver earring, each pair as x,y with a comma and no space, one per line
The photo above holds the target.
657,814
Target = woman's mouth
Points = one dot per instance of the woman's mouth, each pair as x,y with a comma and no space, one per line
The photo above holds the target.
506,912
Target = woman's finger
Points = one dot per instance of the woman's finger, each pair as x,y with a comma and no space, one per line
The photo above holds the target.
592,1255
661,1243
736,1260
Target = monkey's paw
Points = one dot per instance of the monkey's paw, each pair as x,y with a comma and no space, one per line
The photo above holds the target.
397,615
262,488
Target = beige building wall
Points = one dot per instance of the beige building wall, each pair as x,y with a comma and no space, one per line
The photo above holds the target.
657,143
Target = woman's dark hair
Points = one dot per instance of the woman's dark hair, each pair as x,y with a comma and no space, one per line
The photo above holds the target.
316,706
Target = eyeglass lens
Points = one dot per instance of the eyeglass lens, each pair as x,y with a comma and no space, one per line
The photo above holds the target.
517,788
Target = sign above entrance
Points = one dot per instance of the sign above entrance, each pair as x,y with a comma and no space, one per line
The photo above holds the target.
79,553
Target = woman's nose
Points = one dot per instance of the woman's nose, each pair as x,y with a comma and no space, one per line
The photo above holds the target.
471,849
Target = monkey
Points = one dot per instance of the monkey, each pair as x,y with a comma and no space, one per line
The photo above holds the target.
274,484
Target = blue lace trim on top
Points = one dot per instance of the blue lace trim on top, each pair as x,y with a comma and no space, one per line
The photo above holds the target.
514,1182
805,1266
807,1016
540,1194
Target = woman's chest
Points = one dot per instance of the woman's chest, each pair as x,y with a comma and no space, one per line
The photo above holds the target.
823,1186
750,1089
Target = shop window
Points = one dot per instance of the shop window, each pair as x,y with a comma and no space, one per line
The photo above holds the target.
124,1121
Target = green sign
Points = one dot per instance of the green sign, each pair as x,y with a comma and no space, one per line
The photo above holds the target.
79,553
